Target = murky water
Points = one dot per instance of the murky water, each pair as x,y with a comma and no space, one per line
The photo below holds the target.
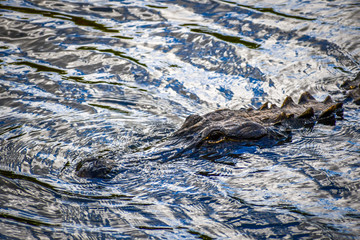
80,79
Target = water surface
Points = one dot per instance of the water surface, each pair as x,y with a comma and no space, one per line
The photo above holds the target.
113,78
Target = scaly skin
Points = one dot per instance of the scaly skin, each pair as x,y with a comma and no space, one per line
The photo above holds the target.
250,124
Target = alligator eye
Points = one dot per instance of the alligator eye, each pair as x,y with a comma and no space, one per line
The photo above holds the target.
215,137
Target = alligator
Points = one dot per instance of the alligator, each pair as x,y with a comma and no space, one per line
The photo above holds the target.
266,126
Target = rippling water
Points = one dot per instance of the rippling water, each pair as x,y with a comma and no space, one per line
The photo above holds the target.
91,78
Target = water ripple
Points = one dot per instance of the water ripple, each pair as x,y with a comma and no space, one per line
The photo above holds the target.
82,80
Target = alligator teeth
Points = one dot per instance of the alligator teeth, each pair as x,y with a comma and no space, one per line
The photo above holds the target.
288,102
328,99
305,98
309,113
264,106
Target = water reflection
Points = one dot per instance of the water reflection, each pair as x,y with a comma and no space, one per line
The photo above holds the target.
80,79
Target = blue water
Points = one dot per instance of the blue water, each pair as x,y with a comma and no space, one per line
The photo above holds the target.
82,79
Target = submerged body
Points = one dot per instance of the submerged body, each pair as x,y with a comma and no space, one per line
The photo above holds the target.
265,126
